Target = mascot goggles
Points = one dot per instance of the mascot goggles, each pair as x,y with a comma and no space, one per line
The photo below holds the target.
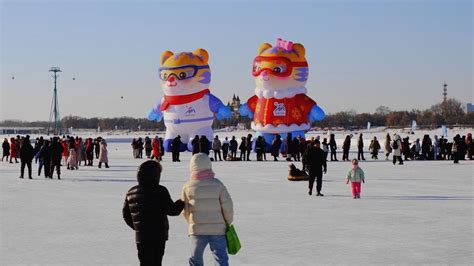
275,65
180,72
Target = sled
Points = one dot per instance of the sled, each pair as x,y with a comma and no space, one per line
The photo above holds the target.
296,174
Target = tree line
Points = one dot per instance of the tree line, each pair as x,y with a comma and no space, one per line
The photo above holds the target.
450,112
446,113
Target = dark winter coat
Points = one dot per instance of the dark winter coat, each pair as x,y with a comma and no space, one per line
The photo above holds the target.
233,145
290,146
276,144
27,152
6,148
225,146
38,145
406,147
45,154
426,145
332,143
204,145
374,146
249,142
315,160
302,146
243,145
56,151
145,210
148,146
347,144
97,145
260,145
162,147
360,143
195,145
176,144
139,144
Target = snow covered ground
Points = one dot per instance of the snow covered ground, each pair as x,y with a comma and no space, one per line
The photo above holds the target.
417,213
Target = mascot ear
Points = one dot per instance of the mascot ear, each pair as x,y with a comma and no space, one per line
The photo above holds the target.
263,47
201,53
299,48
165,55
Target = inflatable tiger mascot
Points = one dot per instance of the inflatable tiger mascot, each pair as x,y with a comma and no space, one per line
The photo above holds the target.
187,107
280,104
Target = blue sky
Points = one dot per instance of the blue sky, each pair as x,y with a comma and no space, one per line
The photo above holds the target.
362,54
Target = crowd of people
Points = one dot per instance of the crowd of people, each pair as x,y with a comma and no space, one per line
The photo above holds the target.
293,147
52,153
438,148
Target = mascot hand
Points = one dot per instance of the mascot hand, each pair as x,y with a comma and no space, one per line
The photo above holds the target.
154,115
316,114
245,111
223,113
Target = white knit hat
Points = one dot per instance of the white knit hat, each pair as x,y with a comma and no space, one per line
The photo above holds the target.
200,162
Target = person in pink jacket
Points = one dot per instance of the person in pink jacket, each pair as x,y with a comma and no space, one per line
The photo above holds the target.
356,176
208,210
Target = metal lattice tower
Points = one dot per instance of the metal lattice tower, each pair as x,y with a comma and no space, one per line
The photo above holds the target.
54,117
445,92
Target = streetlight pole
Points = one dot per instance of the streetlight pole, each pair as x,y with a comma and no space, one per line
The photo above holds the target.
54,113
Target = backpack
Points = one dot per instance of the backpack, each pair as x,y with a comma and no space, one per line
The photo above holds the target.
395,144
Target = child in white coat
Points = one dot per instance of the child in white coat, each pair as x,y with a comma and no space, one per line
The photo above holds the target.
208,211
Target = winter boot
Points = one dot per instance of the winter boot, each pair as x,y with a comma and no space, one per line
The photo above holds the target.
107,165
100,165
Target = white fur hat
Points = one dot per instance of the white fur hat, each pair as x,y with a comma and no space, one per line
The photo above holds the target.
200,162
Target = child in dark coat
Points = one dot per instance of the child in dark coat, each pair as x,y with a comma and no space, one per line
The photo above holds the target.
145,210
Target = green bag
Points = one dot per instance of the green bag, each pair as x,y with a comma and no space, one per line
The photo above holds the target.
233,242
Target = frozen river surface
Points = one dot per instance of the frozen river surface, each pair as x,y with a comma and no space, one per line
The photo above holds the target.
418,213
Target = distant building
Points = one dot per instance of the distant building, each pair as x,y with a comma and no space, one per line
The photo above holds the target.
469,108
234,107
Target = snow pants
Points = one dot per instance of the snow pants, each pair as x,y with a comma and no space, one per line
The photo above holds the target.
356,188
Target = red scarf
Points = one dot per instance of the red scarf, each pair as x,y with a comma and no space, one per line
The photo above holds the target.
182,99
